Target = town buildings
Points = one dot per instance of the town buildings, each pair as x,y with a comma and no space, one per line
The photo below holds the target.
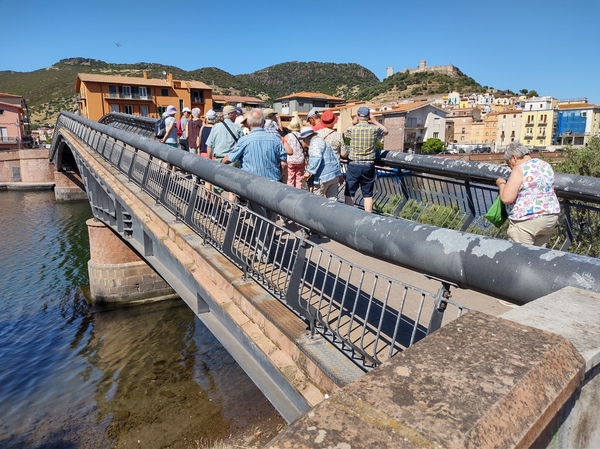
303,102
98,95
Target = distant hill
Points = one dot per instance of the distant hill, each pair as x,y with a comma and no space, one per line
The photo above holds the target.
405,85
50,90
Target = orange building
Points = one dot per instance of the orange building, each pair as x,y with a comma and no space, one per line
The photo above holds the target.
148,97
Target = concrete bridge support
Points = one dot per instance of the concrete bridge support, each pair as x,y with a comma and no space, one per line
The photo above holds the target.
117,273
68,186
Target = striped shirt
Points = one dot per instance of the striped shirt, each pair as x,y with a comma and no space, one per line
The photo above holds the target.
260,153
363,137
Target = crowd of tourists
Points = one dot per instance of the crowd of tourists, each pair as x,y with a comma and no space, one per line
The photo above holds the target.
305,154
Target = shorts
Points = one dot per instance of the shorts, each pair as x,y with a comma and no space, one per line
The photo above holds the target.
360,174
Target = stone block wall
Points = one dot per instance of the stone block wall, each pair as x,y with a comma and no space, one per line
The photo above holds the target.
117,273
125,282
28,166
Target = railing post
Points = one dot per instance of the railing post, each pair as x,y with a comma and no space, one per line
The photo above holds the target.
568,226
470,205
292,294
441,303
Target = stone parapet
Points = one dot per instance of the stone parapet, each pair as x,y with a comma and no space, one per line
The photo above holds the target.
478,382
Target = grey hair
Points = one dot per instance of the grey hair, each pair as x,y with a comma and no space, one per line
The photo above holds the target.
516,149
211,121
196,112
256,118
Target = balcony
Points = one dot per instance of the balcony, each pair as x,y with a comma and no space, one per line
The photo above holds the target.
541,136
9,140
542,123
528,136
134,97
529,124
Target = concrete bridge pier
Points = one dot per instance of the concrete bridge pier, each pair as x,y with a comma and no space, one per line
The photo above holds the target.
117,273
68,186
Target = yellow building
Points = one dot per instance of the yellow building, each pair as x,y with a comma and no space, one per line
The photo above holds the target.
484,131
537,124
147,97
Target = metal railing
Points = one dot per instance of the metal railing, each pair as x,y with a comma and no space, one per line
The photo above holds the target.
370,317
453,199
469,261
448,197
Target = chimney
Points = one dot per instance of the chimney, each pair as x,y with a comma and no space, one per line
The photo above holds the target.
144,75
170,78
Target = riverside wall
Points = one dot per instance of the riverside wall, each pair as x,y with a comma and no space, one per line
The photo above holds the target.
26,167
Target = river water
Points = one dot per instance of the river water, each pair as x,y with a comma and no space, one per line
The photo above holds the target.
147,377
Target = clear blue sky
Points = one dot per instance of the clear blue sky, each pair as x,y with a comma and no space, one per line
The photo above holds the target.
546,45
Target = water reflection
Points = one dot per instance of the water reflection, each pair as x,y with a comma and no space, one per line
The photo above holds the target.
70,378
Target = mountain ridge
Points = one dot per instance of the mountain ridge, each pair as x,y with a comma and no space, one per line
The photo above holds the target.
52,89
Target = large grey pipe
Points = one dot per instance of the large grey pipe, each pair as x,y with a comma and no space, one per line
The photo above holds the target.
518,273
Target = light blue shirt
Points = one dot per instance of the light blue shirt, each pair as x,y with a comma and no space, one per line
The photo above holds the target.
220,140
172,137
322,162
260,153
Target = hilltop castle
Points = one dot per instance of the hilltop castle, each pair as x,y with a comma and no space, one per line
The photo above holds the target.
445,69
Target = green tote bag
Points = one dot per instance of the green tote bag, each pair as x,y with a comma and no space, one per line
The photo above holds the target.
497,214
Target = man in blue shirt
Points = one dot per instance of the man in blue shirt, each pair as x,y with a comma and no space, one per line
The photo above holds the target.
262,154
259,152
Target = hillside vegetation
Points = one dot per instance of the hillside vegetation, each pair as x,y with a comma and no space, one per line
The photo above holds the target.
50,90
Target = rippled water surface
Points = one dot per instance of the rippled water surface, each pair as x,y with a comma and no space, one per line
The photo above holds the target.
150,376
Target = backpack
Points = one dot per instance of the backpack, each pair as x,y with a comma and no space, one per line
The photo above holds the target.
160,128
179,130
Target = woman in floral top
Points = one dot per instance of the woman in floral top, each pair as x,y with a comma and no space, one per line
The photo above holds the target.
529,193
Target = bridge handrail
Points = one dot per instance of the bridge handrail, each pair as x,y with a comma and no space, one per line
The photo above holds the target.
476,262
576,187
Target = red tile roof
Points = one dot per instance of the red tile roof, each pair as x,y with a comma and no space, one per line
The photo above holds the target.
310,95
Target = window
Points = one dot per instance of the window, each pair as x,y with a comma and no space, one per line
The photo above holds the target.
436,121
126,92
129,109
584,114
436,135
144,110
1,111
487,134
514,124
462,137
411,122
463,131
164,92
197,96
143,93
114,108
300,103
3,134
487,125
112,91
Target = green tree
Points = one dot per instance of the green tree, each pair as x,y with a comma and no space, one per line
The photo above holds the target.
532,93
523,91
433,145
582,161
